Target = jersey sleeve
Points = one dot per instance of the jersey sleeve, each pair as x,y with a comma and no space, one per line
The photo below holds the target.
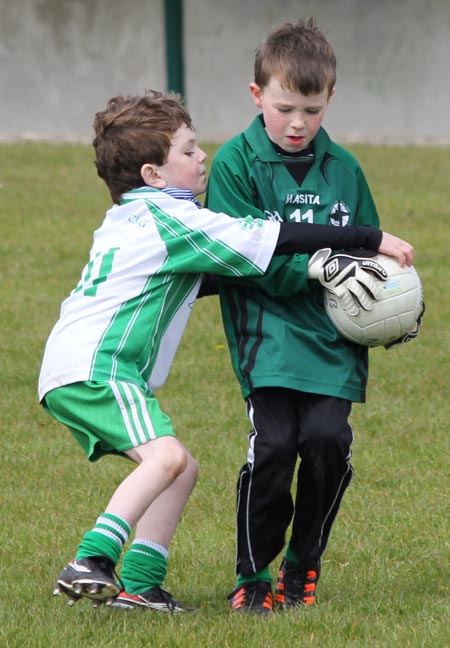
230,190
202,241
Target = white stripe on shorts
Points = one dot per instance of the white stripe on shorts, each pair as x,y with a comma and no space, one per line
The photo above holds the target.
124,412
135,403
147,433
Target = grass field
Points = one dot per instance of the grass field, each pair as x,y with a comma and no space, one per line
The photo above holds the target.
386,574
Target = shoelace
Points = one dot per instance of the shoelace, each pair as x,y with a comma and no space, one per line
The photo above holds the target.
108,566
302,578
256,592
167,598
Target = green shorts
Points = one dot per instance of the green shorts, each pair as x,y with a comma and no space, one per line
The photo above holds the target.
108,417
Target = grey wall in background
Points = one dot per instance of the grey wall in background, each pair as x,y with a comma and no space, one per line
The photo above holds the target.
60,60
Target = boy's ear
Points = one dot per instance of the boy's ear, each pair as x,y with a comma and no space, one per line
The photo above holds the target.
151,177
256,93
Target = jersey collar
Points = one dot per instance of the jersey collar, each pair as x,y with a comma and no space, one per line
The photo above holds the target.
256,137
180,194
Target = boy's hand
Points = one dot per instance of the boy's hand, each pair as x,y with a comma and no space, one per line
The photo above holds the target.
397,248
348,277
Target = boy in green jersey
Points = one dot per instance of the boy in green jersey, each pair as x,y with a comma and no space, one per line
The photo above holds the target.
299,376
119,329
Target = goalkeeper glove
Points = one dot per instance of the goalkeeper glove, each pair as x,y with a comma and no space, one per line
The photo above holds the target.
349,277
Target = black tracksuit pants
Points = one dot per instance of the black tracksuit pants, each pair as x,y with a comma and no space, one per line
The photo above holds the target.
287,424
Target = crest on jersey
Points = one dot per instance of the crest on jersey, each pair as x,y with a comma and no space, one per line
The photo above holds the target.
340,214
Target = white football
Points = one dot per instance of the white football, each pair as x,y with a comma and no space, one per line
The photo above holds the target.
395,314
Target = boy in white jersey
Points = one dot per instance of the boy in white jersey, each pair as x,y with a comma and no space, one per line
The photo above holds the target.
119,329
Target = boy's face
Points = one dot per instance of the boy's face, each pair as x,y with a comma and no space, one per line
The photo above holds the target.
185,164
291,118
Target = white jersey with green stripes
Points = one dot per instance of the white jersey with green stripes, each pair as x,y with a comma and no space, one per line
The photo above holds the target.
126,317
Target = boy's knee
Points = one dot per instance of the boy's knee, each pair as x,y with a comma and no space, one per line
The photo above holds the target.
328,439
177,461
277,450
165,452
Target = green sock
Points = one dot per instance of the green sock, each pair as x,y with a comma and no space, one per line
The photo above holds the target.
290,556
144,566
264,575
106,538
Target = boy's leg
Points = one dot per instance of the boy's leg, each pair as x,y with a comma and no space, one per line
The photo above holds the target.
161,462
107,417
265,507
145,563
92,573
323,476
160,520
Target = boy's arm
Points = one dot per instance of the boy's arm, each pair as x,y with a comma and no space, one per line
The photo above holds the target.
230,190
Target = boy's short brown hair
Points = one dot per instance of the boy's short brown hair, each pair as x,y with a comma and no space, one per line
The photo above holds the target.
299,56
132,131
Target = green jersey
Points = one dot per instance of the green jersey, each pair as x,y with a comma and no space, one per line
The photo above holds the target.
288,340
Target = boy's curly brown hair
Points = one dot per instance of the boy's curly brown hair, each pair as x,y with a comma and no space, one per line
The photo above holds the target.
133,131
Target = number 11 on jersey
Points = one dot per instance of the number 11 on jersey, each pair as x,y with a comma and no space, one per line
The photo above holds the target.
298,217
96,271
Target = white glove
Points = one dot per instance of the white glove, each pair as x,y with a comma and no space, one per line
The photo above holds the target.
348,277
